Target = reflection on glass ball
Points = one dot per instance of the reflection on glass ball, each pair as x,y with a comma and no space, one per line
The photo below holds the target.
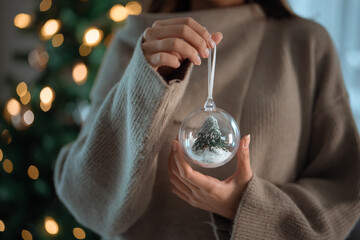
209,138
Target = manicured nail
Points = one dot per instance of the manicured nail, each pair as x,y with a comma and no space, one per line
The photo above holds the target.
207,52
247,141
174,146
198,60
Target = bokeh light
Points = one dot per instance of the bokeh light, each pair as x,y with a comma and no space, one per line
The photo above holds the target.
47,95
8,166
93,36
133,8
1,155
57,40
45,106
79,233
38,58
84,50
21,89
2,226
33,172
51,225
45,5
16,122
28,117
26,235
79,73
13,107
22,20
6,137
118,13
50,28
26,98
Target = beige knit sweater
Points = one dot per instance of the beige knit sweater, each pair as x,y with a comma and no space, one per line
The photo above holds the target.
279,79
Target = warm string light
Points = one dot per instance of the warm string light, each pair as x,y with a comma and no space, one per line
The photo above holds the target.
79,73
2,226
45,5
13,107
133,8
28,117
79,233
49,28
57,40
84,50
93,36
22,20
26,235
33,172
118,13
23,93
26,98
1,155
8,166
21,89
51,226
47,97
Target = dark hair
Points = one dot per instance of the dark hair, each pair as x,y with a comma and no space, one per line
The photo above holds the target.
272,8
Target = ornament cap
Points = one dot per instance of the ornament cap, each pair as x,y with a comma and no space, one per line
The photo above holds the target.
209,105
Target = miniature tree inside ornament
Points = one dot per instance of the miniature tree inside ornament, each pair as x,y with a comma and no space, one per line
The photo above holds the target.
209,136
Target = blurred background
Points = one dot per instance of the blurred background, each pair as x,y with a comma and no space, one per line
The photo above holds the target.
50,53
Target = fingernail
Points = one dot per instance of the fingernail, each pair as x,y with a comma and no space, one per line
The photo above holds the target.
198,60
247,141
207,52
211,43
174,146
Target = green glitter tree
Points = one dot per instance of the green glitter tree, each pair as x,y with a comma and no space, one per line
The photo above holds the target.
209,136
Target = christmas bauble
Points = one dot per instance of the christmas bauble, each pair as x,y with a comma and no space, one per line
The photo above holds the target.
209,138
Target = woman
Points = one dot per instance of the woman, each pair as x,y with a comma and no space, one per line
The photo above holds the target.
278,75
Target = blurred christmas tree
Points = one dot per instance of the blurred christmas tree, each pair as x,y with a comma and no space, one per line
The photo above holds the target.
42,117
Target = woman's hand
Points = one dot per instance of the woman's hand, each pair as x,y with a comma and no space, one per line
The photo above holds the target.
206,192
169,42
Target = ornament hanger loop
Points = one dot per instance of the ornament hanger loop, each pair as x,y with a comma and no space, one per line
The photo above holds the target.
210,104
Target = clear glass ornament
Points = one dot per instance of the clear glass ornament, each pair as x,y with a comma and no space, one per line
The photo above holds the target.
209,136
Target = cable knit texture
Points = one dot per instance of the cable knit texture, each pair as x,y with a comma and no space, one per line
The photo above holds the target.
281,81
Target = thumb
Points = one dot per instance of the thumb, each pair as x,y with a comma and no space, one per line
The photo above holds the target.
243,168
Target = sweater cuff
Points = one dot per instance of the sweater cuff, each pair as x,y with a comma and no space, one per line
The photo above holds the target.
222,226
247,207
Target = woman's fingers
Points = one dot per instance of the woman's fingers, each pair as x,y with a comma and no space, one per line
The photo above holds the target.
217,37
201,181
180,194
174,173
163,59
192,41
200,30
182,31
171,45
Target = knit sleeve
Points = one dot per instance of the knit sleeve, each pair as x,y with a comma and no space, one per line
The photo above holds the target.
324,202
105,177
